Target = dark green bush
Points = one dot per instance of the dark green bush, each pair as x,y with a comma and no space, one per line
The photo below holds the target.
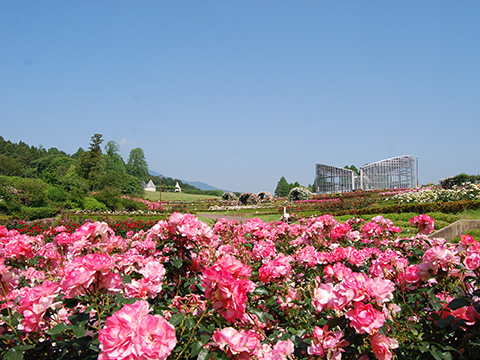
34,213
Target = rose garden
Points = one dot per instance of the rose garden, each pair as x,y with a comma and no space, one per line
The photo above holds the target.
348,286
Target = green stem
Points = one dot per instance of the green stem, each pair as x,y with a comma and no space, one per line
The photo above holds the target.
191,335
9,324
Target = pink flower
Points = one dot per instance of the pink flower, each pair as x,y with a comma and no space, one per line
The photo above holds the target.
380,290
279,268
35,303
226,284
235,342
365,318
381,346
131,333
424,223
327,344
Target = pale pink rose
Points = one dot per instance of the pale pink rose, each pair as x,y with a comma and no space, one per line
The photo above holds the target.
62,239
327,344
340,231
8,279
154,338
381,346
336,272
102,263
365,318
380,290
235,342
323,296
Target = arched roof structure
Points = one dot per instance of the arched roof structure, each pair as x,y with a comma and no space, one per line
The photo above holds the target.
393,173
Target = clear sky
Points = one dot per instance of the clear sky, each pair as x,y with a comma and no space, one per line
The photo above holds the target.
238,94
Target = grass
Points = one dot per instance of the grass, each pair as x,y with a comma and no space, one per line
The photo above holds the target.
171,196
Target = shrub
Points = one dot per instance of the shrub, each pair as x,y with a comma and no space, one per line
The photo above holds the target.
92,204
300,193
110,197
34,213
132,205
56,194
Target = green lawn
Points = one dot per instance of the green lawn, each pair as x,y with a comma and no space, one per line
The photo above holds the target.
170,196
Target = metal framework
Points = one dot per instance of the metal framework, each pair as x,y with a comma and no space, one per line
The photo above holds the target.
332,179
394,173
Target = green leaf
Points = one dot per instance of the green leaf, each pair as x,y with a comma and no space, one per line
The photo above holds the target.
176,262
261,291
195,348
79,319
58,329
439,354
203,355
13,354
190,322
443,323
176,319
458,303
79,330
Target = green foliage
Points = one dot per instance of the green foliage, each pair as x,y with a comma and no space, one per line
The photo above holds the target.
57,194
92,204
10,166
110,197
89,164
124,183
459,180
283,188
34,213
112,160
137,165
353,168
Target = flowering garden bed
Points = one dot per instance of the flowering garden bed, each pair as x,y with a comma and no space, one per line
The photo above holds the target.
180,289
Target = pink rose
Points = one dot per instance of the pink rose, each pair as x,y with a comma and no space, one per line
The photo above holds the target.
381,346
365,318
131,333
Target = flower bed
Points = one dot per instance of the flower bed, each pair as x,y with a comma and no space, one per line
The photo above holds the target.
181,289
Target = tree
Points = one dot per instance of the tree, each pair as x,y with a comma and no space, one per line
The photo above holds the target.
283,188
113,160
137,165
90,162
353,168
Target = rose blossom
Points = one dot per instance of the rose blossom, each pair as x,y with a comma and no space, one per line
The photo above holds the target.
365,318
131,333
381,346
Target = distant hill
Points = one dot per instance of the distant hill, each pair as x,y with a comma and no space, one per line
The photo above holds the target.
198,184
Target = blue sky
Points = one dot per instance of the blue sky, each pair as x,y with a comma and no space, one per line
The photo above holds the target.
238,94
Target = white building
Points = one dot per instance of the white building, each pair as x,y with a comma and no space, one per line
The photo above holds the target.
150,186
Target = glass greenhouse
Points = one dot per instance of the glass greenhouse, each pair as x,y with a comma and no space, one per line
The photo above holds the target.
394,173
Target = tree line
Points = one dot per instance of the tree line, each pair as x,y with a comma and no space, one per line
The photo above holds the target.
94,178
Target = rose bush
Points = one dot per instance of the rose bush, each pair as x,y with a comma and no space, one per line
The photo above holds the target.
180,289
